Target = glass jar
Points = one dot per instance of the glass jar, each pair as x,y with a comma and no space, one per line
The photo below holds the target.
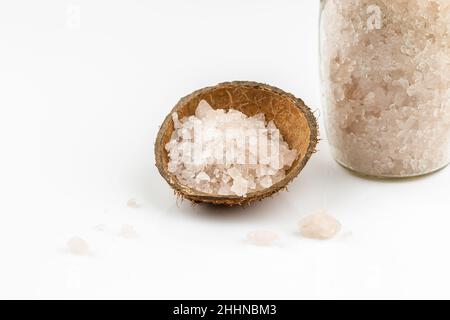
385,70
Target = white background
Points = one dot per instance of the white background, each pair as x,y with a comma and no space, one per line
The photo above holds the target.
84,86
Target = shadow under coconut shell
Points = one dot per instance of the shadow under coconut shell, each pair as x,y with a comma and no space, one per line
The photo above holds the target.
267,211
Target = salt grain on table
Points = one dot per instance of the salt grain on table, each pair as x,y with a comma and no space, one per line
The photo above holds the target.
132,203
262,238
78,246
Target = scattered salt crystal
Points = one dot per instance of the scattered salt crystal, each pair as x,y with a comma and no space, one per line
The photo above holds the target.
127,231
262,238
319,226
78,246
132,203
266,182
225,152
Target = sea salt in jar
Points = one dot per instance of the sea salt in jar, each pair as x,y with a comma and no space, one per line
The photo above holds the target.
385,68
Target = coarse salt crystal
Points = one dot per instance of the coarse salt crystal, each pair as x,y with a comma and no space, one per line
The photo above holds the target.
240,186
319,226
78,246
132,203
202,177
203,110
262,238
266,182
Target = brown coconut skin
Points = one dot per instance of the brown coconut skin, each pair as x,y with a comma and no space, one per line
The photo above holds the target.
293,118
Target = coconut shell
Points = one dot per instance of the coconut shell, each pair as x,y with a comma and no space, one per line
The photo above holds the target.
293,118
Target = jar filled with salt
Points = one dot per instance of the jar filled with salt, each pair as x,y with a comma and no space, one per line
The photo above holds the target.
385,70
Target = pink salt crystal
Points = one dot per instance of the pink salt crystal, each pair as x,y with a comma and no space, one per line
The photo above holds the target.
319,226
262,238
226,178
127,231
266,182
203,109
176,122
240,186
186,134
271,125
202,176
224,190
172,167
78,246
132,203
251,184
289,156
234,173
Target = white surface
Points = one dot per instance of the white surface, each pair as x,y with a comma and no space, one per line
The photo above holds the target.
81,104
